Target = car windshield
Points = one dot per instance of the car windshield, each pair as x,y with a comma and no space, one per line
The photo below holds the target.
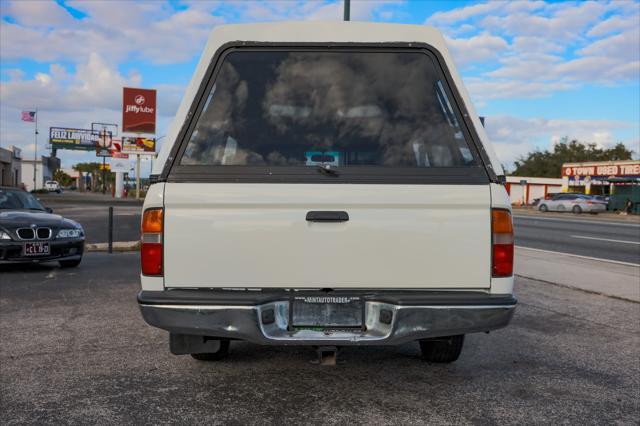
345,109
18,200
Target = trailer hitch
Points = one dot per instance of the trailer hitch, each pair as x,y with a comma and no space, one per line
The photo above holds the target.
326,355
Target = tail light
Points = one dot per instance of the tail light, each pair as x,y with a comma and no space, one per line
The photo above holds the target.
151,247
502,241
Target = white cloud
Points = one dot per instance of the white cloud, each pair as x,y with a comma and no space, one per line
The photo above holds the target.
532,49
513,137
623,46
452,18
38,13
96,84
614,24
148,31
478,48
563,23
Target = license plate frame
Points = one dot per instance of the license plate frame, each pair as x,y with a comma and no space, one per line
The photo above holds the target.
327,312
37,248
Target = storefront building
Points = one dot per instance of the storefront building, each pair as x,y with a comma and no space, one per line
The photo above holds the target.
523,190
599,178
44,168
10,166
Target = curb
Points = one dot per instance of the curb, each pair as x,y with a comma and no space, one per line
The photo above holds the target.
112,202
119,246
584,290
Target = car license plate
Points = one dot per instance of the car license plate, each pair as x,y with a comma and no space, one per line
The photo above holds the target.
36,249
327,311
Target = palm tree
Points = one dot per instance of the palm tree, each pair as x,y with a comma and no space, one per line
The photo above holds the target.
90,168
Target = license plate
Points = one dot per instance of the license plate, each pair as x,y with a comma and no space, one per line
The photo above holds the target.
327,311
36,249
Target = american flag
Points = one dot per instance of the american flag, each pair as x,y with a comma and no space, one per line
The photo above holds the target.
29,116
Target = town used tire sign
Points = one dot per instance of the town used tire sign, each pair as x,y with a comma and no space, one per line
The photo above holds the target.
138,110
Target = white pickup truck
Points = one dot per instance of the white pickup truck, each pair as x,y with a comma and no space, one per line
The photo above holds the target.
326,184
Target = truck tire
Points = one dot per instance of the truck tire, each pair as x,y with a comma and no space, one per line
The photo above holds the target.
70,263
214,356
442,349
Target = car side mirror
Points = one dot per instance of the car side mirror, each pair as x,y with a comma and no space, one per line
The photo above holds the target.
49,209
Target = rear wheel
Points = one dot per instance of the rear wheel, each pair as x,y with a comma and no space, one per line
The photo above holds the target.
221,353
442,349
70,263
576,209
543,208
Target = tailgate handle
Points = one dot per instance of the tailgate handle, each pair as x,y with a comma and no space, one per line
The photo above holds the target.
327,216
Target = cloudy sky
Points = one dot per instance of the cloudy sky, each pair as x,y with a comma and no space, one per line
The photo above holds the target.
538,71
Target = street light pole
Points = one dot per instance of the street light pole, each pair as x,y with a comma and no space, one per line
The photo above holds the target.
35,153
347,11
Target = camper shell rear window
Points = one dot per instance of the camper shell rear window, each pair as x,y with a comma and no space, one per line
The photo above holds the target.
292,115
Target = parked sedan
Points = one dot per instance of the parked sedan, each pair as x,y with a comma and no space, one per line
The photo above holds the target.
576,203
31,233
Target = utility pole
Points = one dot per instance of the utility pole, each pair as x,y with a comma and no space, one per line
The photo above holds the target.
347,11
137,176
35,153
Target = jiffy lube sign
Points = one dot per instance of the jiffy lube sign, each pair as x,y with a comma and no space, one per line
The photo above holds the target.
138,110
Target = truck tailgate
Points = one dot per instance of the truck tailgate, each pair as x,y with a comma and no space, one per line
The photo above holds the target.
257,235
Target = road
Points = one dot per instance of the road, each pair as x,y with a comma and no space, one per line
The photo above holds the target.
94,220
587,236
75,349
606,239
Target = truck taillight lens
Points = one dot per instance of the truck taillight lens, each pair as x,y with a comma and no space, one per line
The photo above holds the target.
502,236
151,247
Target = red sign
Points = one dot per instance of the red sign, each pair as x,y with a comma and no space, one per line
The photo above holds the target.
603,169
138,145
138,110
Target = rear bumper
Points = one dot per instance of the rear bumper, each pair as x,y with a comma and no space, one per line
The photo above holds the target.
243,316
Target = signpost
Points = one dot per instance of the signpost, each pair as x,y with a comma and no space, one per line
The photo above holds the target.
138,110
102,146
138,117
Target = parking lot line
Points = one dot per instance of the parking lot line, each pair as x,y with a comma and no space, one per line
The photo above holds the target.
606,239
588,221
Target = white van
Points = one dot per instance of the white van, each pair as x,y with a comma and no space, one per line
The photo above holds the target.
326,184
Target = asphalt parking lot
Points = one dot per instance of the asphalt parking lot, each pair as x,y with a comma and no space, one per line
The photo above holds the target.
74,349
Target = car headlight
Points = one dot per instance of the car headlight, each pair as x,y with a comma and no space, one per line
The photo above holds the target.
70,233
4,236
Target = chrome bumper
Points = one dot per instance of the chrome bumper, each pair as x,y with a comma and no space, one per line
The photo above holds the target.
408,322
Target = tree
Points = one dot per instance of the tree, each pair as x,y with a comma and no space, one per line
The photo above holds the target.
92,169
549,163
62,178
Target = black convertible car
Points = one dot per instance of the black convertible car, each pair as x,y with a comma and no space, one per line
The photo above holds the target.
31,233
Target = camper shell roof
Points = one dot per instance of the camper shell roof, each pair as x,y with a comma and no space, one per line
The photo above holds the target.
319,34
